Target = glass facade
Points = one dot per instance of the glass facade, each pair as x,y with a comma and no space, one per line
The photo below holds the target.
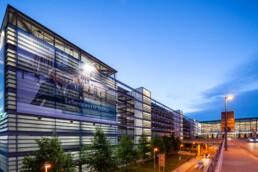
2,78
3,114
48,84
243,128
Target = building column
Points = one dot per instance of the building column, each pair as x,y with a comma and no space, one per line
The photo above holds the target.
207,146
199,149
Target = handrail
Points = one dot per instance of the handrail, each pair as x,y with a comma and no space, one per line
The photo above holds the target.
219,163
216,161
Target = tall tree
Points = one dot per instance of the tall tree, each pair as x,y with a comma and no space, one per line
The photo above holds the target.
157,142
168,144
143,146
176,144
99,155
50,151
126,153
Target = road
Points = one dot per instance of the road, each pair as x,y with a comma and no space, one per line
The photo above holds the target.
205,161
195,169
244,144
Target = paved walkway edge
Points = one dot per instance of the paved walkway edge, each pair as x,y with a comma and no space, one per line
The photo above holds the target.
184,167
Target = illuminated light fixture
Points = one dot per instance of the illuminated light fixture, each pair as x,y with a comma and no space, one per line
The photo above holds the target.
181,145
88,68
229,97
47,166
155,149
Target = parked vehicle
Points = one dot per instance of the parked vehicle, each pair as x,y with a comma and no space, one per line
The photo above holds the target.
253,139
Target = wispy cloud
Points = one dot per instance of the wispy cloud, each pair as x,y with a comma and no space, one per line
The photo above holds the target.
240,82
243,78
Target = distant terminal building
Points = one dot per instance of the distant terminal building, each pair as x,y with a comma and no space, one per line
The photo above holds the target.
48,84
242,128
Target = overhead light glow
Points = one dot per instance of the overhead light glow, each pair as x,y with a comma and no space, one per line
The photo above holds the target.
88,68
229,97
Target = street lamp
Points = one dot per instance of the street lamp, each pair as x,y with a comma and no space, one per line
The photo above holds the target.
181,145
226,128
155,149
180,148
47,166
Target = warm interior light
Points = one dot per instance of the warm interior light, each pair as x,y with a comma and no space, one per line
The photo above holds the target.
155,149
181,145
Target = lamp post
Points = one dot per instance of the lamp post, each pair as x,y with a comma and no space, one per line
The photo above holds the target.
181,149
155,149
47,166
226,128
193,147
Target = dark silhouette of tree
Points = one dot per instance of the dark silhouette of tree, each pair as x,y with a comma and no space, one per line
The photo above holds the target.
176,144
168,144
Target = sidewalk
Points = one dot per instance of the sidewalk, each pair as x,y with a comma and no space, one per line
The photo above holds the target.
184,167
237,159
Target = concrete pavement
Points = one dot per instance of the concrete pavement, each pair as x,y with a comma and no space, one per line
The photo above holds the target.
184,167
237,159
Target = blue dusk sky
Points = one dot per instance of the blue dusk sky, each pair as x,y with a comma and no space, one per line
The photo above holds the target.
189,54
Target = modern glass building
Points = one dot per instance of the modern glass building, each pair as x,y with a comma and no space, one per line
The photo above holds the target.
244,127
50,85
